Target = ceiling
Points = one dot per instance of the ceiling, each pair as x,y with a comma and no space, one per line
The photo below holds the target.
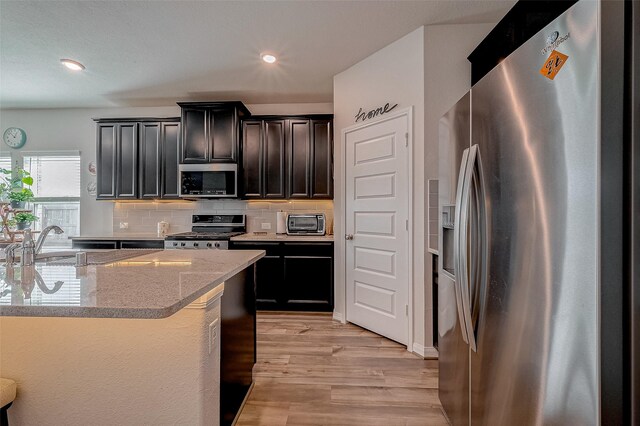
151,53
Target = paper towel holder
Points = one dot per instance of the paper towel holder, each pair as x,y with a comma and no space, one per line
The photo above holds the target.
281,222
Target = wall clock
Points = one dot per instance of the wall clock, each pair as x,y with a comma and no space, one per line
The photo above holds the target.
14,137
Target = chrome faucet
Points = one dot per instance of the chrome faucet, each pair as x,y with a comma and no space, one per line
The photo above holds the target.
28,253
44,234
29,248
10,253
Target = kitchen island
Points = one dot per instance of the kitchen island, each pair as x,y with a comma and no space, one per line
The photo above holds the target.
136,341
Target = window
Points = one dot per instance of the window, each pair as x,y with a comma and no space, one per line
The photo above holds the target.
56,190
5,161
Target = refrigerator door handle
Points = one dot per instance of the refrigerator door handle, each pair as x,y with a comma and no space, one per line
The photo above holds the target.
473,240
464,248
457,253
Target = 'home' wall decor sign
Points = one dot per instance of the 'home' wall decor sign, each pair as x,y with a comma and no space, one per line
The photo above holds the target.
368,115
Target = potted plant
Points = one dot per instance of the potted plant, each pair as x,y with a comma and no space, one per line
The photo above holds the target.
19,197
13,186
23,220
5,184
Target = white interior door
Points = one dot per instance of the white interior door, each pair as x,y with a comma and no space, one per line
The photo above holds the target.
377,222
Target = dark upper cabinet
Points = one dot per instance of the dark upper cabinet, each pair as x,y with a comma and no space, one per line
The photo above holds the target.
195,128
299,159
137,158
224,134
210,131
170,159
252,163
287,157
106,160
150,160
127,161
274,159
321,159
263,158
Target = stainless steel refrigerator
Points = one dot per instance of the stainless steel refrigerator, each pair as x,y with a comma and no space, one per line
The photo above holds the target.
537,303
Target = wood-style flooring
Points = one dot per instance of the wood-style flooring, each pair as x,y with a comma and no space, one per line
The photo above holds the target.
314,371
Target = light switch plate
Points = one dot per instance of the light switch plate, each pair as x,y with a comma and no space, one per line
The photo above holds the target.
124,225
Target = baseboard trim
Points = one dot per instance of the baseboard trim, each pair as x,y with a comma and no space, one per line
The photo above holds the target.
337,316
427,352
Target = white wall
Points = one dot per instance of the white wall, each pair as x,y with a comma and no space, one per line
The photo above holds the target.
447,78
394,74
427,69
74,129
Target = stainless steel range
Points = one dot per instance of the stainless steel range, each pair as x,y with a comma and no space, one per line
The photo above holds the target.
208,231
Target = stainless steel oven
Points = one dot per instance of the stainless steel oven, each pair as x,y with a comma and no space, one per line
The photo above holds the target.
208,180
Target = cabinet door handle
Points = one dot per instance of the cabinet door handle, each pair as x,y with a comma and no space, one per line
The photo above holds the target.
348,237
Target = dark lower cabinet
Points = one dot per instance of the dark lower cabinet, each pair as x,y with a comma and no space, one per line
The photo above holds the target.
99,244
294,276
305,283
237,343
269,293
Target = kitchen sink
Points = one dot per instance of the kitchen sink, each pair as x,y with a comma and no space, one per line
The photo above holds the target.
97,257
101,257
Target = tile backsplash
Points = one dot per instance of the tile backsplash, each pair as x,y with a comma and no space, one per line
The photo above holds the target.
143,217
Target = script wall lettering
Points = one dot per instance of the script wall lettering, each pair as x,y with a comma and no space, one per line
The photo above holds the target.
368,115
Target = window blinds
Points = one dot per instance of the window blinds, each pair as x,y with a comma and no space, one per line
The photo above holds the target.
54,175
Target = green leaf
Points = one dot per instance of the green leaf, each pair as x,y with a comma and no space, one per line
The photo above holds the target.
27,180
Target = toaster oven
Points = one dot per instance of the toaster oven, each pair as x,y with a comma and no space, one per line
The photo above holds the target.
306,224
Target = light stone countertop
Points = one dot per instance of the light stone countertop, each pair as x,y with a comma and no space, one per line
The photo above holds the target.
284,238
118,237
151,286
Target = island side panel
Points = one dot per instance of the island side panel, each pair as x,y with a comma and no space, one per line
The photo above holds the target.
77,371
238,343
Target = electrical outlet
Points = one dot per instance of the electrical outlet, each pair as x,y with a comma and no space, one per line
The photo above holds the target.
124,225
266,225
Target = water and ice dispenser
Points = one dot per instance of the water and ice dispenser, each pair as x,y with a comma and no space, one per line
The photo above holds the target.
448,226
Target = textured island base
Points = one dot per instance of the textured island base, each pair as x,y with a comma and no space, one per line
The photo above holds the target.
92,371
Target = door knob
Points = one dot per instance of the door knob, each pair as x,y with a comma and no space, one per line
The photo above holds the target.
348,237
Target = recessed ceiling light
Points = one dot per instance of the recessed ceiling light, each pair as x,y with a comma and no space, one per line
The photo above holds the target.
270,59
72,65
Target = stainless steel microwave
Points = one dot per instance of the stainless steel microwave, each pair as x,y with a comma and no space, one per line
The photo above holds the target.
306,224
208,180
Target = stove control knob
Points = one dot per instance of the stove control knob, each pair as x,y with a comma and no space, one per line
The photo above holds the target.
195,244
183,244
217,245
175,244
209,245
